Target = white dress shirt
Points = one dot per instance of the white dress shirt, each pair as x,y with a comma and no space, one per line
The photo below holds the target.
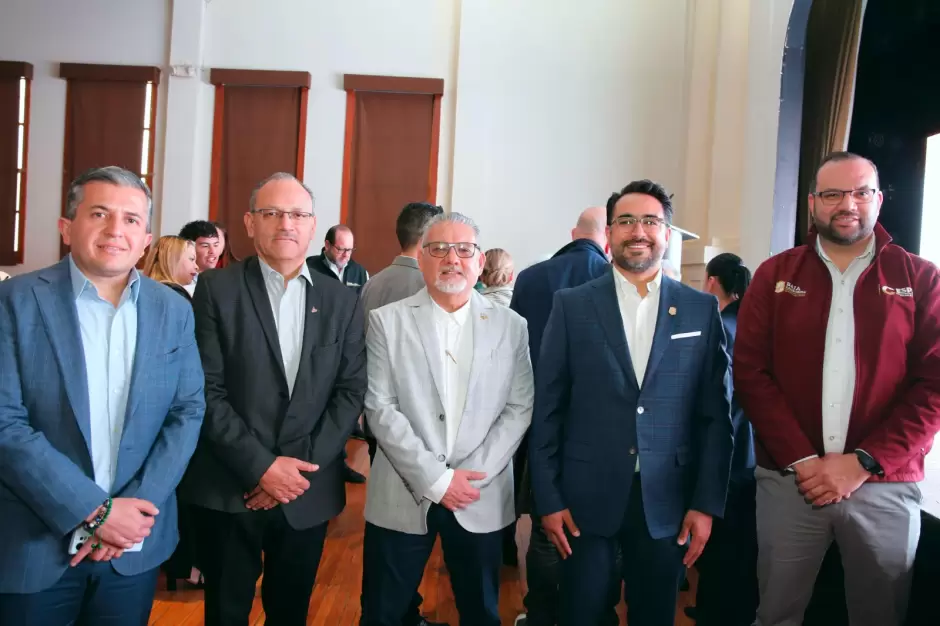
289,305
639,322
839,356
455,340
191,287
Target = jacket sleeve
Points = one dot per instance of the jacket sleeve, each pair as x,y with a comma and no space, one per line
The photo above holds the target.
49,483
506,433
405,450
776,426
552,392
915,419
223,427
714,416
345,404
170,453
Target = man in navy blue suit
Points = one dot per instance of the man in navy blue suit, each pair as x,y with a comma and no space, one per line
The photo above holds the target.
631,435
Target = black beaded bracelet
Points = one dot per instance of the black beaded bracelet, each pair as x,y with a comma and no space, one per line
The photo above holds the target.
100,518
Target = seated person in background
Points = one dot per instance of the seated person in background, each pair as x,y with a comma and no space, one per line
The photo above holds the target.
172,261
335,258
209,245
498,274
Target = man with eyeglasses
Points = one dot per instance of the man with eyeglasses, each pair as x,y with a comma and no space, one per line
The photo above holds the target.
836,362
449,399
631,435
284,357
335,259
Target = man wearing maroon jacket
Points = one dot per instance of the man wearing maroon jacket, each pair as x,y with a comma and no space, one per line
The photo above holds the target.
837,363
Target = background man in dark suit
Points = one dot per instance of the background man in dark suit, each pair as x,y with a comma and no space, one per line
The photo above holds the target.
631,436
284,357
335,260
580,261
101,401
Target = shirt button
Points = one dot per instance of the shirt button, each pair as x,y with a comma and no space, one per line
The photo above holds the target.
841,311
832,438
440,457
640,410
632,451
441,417
838,341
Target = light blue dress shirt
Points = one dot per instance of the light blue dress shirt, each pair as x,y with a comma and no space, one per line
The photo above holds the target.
289,306
109,343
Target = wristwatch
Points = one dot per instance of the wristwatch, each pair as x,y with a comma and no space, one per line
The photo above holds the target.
868,463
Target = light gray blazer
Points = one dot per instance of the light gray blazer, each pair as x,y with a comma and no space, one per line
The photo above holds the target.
405,412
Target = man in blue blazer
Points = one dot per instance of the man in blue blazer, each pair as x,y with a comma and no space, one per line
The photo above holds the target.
631,435
101,403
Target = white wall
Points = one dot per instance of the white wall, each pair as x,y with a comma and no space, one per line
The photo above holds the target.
550,105
46,33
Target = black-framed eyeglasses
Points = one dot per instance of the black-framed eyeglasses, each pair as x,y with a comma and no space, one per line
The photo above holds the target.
440,249
343,250
650,223
275,215
832,197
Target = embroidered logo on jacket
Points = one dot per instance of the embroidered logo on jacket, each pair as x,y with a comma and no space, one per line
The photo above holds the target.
904,292
783,286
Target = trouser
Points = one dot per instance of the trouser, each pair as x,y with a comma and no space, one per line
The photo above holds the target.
877,530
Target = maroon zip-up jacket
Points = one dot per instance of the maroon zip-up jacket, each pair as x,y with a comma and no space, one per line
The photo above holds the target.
778,358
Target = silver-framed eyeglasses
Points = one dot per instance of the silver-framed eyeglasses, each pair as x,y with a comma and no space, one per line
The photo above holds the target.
650,223
275,215
832,197
440,249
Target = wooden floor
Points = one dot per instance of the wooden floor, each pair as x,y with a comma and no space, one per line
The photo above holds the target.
335,600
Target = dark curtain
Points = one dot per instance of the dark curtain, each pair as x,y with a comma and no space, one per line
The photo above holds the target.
104,126
389,168
832,41
9,141
260,137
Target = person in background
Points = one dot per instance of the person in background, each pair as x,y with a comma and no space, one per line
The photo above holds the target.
497,275
836,363
449,399
206,238
631,434
226,258
284,358
172,261
727,584
401,279
101,404
578,262
335,259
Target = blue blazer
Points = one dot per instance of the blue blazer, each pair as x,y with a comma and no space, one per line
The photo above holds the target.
580,261
591,419
47,485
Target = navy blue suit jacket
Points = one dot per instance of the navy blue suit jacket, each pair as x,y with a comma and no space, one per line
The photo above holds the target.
743,461
47,485
591,418
580,261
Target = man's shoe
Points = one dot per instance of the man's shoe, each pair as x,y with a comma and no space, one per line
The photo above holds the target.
352,476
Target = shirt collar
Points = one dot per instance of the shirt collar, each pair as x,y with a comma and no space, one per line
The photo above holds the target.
80,282
459,316
864,256
629,288
406,261
270,273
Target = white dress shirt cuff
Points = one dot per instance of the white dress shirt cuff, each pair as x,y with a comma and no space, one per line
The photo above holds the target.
794,463
436,491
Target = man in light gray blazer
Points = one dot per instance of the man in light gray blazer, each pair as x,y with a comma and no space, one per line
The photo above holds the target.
449,399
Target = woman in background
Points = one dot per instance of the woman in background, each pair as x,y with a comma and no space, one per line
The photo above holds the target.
172,261
727,587
498,274
226,258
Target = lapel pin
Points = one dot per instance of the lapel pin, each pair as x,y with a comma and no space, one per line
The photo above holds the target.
483,317
313,310
672,310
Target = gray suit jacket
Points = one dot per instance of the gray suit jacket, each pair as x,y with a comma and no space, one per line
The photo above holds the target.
405,411
47,485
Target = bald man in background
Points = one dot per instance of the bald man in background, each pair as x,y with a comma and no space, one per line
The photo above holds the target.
582,260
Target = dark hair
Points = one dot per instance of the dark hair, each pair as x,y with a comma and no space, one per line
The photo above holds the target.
838,157
112,175
331,234
197,229
413,222
732,274
647,187
226,258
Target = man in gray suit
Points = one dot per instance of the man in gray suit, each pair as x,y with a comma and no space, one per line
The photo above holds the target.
399,280
449,399
101,403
